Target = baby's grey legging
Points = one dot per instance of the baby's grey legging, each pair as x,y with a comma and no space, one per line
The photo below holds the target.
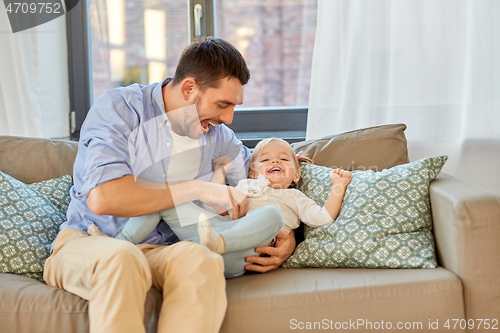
241,236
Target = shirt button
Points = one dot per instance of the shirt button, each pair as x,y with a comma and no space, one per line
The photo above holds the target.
164,175
168,144
168,124
161,124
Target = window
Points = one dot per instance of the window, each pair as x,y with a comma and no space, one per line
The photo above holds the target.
141,41
135,41
276,38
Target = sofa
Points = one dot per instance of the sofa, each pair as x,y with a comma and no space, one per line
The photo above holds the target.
458,295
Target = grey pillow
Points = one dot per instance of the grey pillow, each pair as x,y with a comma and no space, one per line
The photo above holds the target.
375,148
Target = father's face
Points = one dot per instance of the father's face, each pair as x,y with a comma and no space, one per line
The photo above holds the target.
214,106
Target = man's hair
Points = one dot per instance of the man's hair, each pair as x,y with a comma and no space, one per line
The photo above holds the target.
210,59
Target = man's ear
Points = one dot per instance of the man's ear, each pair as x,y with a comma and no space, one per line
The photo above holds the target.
188,88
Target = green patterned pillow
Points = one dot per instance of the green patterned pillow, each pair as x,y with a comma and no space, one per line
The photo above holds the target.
384,222
30,216
56,190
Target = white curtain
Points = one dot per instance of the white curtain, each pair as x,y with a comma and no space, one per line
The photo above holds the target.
34,90
433,65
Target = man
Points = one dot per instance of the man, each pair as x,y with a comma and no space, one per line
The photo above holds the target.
112,182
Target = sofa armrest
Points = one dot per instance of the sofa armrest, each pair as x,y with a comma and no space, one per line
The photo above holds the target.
466,222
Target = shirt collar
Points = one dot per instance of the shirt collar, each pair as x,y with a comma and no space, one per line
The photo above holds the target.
158,104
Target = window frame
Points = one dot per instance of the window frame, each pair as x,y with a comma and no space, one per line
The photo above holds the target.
79,65
253,124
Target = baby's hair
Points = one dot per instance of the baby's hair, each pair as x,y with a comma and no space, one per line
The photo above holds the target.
258,148
303,159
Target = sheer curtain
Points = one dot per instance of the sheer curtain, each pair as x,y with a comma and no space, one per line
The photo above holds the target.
34,91
433,65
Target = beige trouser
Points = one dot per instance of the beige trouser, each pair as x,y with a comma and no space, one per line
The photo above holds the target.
115,275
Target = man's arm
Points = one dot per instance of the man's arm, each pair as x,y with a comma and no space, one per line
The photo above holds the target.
124,197
285,246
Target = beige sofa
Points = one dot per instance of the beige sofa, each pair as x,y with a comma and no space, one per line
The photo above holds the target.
464,286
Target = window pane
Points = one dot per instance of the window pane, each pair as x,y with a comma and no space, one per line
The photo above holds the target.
276,37
135,41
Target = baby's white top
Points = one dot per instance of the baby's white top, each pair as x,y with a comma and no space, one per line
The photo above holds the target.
293,205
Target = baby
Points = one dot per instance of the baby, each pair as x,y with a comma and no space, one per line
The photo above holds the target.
275,160
274,172
273,205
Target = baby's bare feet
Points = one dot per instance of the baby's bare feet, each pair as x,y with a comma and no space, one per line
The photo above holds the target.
208,237
93,230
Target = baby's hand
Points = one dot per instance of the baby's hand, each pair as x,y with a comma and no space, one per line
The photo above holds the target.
339,176
223,162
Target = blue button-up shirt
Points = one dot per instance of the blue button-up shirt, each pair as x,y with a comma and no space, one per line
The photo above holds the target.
127,132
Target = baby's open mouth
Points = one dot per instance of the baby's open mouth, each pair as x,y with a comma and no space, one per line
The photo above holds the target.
275,170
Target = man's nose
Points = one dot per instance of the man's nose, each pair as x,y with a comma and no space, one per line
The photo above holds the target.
227,116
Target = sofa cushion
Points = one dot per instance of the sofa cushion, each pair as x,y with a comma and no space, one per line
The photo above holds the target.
375,148
32,160
30,216
29,306
384,222
278,301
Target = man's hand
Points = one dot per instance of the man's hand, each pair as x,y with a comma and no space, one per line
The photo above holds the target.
223,198
239,210
285,246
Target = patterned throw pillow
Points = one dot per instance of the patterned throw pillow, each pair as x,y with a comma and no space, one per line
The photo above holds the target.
384,222
56,190
30,216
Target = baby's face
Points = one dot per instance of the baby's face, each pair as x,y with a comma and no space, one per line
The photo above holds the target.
277,164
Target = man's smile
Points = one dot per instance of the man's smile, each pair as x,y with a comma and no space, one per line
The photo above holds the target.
205,124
